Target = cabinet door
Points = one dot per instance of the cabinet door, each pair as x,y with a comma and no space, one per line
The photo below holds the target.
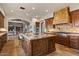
62,40
0,45
49,22
75,18
51,45
39,46
74,42
1,22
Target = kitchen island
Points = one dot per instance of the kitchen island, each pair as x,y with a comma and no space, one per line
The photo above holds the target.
35,45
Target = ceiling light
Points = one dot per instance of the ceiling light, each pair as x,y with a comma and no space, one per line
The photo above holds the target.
46,10
12,11
33,8
34,19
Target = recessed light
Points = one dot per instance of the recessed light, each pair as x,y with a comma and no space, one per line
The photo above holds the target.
47,10
12,11
33,8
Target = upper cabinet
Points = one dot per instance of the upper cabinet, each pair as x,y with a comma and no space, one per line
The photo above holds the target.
49,21
37,24
1,20
75,18
61,16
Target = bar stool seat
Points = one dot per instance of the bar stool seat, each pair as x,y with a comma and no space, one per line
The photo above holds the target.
20,38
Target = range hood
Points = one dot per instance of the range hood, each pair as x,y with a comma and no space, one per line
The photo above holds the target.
61,16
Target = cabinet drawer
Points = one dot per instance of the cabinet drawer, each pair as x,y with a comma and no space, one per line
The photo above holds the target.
74,45
74,39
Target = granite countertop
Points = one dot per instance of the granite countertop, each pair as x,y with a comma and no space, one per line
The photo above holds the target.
2,33
73,34
66,33
40,36
33,37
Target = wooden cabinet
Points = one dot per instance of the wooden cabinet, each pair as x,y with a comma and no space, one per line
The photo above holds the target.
41,46
64,40
75,17
74,42
51,45
3,40
71,40
0,45
49,21
1,20
37,25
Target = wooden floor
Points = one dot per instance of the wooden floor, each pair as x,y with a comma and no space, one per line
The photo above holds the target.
12,48
64,51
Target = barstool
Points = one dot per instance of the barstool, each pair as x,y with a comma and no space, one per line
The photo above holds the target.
20,37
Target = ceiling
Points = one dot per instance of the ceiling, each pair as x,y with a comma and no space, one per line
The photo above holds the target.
34,10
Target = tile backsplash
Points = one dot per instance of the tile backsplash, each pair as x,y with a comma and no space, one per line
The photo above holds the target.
64,27
67,28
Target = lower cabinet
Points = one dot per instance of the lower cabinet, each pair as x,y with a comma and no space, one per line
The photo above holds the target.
0,45
64,40
74,42
3,40
51,45
38,47
69,40
43,46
